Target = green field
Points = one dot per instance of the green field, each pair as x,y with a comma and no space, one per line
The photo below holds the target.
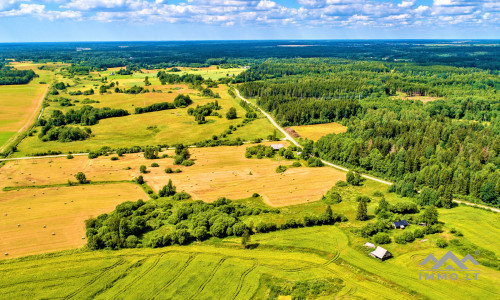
223,270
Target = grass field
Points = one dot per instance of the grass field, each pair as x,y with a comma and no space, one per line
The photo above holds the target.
62,210
222,270
315,132
21,103
170,126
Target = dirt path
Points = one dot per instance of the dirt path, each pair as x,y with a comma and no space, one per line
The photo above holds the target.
35,115
292,140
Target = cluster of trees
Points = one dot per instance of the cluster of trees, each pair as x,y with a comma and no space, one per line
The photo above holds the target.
133,90
158,224
86,115
64,133
182,100
10,76
182,156
79,70
261,151
86,92
154,107
169,78
200,112
125,71
250,112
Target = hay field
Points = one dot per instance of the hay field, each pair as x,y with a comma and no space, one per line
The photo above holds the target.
218,172
62,210
212,269
315,132
20,103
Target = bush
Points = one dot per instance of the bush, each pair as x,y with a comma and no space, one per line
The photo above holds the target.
169,170
255,195
418,233
69,156
81,178
341,183
378,194
296,164
281,169
187,163
154,165
441,243
143,169
382,238
354,178
364,199
140,179
114,158
177,171
314,162
405,237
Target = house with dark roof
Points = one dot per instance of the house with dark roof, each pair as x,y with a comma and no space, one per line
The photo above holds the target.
381,253
400,224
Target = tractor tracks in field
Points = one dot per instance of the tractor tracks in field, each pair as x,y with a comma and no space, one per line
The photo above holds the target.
179,273
243,276
210,277
93,280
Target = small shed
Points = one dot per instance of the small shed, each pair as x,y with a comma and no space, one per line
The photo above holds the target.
276,147
369,245
381,253
400,224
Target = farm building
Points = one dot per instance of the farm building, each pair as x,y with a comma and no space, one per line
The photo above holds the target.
276,147
381,253
400,224
369,245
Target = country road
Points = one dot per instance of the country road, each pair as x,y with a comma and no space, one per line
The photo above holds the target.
292,140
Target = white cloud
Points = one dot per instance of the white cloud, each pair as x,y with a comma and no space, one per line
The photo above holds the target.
406,4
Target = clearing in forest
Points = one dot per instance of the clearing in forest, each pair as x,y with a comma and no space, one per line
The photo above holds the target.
316,131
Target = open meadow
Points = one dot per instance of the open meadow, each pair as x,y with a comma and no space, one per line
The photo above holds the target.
319,259
21,103
316,131
51,219
217,172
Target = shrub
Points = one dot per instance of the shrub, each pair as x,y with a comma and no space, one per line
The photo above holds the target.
441,243
354,178
143,169
314,162
69,156
378,194
114,158
255,195
341,183
140,179
177,171
363,198
405,237
280,169
418,233
81,178
381,238
187,163
154,165
296,164
169,170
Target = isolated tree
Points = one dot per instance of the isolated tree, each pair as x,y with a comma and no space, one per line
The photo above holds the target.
245,238
140,179
167,190
430,215
81,178
362,213
231,114
143,169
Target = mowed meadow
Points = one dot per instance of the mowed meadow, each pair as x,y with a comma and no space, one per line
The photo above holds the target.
51,219
217,172
21,103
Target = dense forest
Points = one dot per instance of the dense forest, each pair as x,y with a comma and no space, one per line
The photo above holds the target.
10,76
481,54
450,145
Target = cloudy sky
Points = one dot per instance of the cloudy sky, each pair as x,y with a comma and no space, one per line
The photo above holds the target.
119,20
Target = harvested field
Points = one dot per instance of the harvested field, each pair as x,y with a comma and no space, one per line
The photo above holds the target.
218,172
315,132
61,210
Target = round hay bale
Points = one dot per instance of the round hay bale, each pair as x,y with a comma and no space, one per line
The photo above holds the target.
44,226
29,207
6,253
65,202
53,233
18,225
83,237
5,214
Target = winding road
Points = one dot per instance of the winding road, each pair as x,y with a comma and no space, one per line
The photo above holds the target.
289,138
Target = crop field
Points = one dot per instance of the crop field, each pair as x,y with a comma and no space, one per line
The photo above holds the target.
315,132
218,172
226,271
51,219
20,103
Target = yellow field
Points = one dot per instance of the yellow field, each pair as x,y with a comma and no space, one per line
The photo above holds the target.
20,103
315,132
218,172
63,212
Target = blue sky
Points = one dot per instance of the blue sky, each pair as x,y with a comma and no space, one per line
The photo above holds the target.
118,20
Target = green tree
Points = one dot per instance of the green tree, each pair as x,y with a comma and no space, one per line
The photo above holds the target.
143,169
81,178
488,193
362,213
231,114
430,215
140,179
167,190
245,238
